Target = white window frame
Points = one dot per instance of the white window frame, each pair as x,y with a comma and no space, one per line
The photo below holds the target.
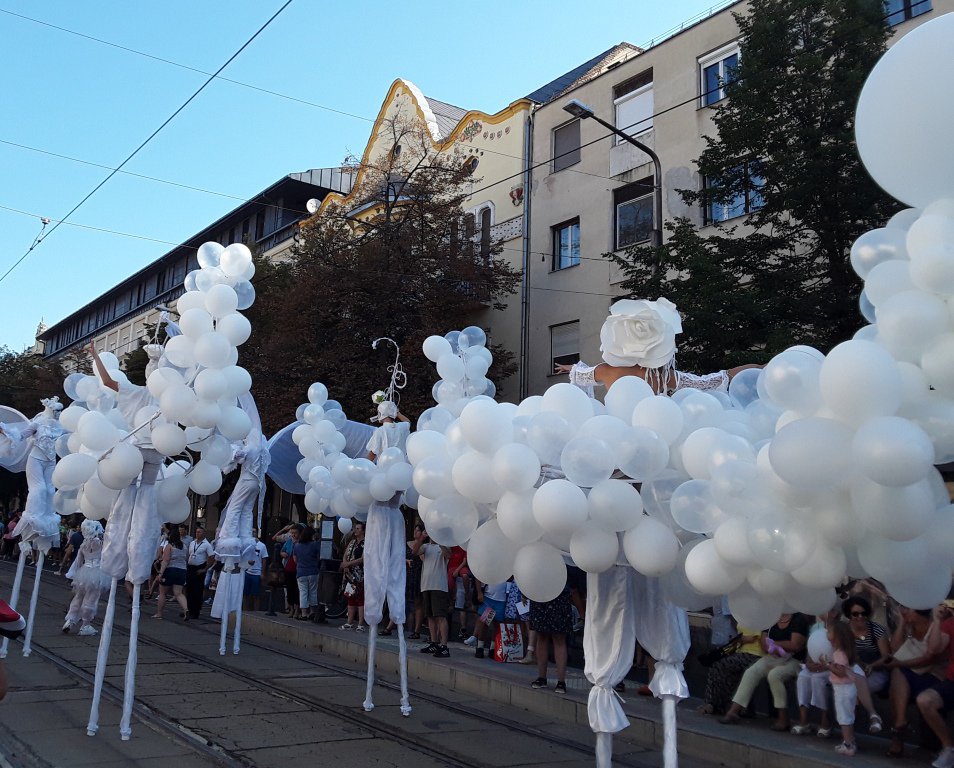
717,56
632,95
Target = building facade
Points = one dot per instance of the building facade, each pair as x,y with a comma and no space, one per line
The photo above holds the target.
590,194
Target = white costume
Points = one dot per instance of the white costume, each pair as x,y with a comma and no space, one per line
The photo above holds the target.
234,539
88,579
39,525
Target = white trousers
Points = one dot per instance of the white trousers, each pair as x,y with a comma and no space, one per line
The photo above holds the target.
385,567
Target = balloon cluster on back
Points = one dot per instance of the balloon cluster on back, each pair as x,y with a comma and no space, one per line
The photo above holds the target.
196,385
815,469
335,483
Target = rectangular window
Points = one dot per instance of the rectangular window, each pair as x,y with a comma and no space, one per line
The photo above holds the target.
740,203
715,70
260,225
634,213
633,101
566,245
566,145
904,10
564,344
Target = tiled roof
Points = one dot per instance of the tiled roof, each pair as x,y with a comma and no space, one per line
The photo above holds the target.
586,71
448,116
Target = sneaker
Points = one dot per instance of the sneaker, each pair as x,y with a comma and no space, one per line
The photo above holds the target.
471,641
540,682
87,631
479,653
560,687
359,628
344,627
874,724
207,601
67,626
945,758
463,634
441,652
430,648
848,749
530,658
823,733
11,622
800,730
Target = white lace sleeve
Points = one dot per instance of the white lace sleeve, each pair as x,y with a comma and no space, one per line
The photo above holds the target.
582,376
708,381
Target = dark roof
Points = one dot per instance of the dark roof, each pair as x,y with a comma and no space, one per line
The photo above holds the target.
448,116
584,72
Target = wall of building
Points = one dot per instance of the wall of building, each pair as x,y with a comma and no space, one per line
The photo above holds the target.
585,191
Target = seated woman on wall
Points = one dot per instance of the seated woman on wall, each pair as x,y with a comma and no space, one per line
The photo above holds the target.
784,646
724,676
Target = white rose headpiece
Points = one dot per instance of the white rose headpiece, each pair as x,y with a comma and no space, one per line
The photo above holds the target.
640,332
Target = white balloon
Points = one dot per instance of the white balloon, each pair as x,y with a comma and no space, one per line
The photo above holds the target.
908,86
235,259
209,254
450,367
559,507
827,567
660,414
486,426
693,507
180,351
451,520
193,299
860,379
625,394
614,505
435,347
587,461
539,571
515,517
593,549
235,327
732,542
568,401
491,554
813,453
651,548
172,488
168,439
432,475
547,434
708,573
892,451
70,417
420,445
900,513
177,402
234,423
96,431
177,513
121,467
239,380
516,467
195,322
212,350
909,322
158,382
876,247
752,610
217,450
205,478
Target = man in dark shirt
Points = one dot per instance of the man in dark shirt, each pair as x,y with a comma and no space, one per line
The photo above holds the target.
73,544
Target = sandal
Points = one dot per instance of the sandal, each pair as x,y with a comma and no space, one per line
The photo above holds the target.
897,741
706,709
874,724
729,719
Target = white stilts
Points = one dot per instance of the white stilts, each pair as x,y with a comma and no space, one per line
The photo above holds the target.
372,644
237,636
28,635
15,594
402,662
129,692
101,658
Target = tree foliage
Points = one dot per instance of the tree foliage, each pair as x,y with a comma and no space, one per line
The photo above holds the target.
397,260
780,275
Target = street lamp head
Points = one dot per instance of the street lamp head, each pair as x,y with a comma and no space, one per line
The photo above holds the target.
578,109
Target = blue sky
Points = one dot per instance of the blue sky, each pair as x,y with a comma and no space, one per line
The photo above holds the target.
73,96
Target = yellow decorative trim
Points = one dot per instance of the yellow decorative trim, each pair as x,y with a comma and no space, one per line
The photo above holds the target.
399,85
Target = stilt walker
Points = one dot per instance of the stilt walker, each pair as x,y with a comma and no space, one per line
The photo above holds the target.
385,538
39,527
88,580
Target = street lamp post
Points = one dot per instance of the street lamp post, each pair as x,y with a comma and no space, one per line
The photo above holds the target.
580,110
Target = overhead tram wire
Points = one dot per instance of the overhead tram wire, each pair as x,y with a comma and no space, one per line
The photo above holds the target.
547,161
151,136
181,65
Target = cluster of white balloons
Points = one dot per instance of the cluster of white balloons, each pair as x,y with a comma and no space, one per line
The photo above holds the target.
462,360
196,386
335,482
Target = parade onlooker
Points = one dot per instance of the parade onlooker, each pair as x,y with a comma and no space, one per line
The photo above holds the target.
842,681
413,591
917,647
288,537
552,621
73,543
458,583
784,646
872,652
172,574
433,590
256,559
353,567
306,553
9,540
725,674
200,558
490,606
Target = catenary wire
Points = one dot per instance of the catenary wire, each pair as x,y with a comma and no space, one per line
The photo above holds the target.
151,136
693,100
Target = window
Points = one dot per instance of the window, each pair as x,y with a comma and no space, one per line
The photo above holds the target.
566,245
564,344
740,203
715,70
470,165
633,100
633,213
260,225
903,10
566,145
486,222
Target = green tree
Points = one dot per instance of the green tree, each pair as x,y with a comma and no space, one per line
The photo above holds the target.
399,259
785,153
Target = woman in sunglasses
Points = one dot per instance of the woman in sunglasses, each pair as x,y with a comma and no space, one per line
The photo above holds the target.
873,652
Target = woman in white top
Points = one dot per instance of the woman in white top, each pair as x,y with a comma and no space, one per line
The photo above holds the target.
172,574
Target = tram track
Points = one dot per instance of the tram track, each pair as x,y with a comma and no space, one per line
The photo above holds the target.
426,744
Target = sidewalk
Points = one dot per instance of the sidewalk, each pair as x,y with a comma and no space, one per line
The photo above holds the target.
749,745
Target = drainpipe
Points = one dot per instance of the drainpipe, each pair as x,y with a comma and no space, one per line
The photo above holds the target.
525,282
